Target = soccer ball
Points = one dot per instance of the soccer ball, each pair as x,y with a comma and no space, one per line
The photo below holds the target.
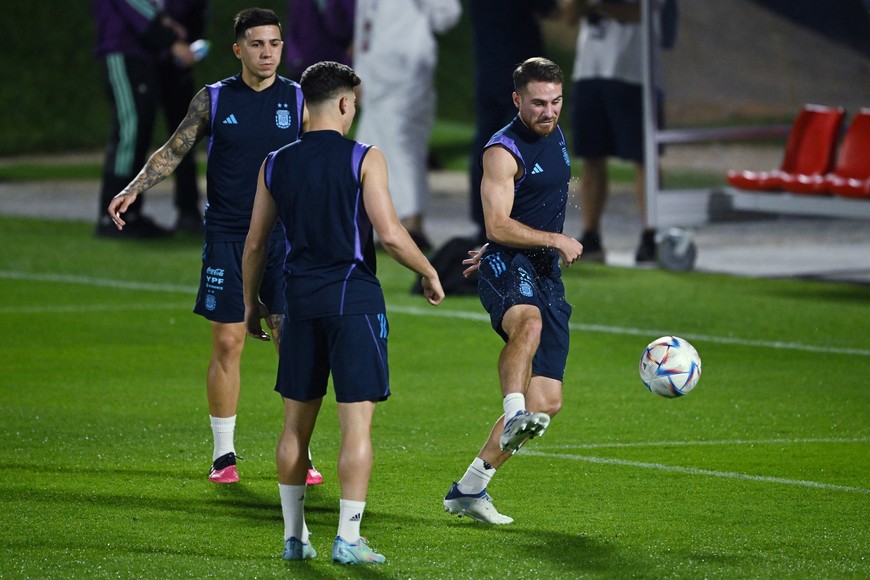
670,367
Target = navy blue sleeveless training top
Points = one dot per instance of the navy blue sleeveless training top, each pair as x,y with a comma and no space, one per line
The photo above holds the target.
541,194
246,125
330,265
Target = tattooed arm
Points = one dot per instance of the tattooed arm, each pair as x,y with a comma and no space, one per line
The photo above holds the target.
163,162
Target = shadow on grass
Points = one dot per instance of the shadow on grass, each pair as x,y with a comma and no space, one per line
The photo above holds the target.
857,293
574,553
148,513
570,553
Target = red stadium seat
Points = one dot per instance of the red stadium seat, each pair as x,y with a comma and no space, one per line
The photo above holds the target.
809,152
851,175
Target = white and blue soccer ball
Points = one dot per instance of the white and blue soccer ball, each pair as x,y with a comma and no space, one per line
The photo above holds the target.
670,367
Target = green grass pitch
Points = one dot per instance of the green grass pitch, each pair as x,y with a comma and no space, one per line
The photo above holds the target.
762,472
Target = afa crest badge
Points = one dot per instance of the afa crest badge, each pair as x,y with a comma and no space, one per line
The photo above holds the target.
282,117
525,286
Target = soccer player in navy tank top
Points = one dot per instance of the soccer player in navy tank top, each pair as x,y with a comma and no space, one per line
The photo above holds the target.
245,117
331,194
524,191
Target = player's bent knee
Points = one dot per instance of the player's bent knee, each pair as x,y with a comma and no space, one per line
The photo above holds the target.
551,408
532,327
527,332
551,405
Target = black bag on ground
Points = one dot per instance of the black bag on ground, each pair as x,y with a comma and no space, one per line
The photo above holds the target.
447,261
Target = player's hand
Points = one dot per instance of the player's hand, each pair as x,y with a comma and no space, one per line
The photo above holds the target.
432,289
182,54
253,322
119,205
473,262
569,250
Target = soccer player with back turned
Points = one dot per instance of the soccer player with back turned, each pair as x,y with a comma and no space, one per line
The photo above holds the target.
524,191
331,194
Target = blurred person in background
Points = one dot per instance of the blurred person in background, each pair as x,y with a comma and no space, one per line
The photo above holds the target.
177,87
132,38
607,108
396,51
317,30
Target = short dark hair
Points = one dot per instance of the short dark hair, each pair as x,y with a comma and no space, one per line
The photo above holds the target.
536,69
251,17
325,80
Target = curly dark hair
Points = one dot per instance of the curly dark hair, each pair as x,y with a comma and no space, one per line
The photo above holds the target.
325,80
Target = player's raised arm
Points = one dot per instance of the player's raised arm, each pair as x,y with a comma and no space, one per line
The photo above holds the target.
163,162
393,236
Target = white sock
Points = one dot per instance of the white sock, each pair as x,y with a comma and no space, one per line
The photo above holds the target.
223,429
476,477
349,517
513,403
293,508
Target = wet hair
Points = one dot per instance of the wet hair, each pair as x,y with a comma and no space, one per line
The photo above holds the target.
536,69
252,17
326,80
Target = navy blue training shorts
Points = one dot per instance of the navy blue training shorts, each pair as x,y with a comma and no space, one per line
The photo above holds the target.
352,347
607,119
507,281
220,297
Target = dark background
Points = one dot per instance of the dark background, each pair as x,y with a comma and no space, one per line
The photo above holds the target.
735,61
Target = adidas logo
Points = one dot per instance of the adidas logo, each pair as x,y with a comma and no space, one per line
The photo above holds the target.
231,120
535,170
356,518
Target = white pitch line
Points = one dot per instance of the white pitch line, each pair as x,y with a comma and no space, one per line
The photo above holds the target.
92,308
413,310
617,445
85,280
478,316
696,471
